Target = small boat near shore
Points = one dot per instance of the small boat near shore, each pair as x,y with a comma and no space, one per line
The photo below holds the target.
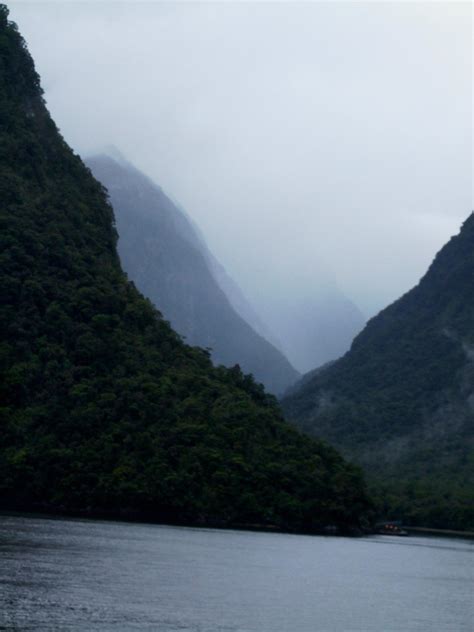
390,528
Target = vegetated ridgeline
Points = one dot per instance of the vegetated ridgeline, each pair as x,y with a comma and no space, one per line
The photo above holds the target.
401,401
104,410
167,259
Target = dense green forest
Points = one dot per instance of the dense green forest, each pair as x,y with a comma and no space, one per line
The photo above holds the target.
401,401
104,409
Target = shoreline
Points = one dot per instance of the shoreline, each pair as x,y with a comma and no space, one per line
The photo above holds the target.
448,533
328,532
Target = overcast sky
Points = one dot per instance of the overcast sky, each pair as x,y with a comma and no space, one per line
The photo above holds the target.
308,141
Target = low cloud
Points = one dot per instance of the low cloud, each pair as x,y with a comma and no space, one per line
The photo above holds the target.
312,143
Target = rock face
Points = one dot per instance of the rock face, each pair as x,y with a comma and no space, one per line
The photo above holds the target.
167,259
103,408
400,402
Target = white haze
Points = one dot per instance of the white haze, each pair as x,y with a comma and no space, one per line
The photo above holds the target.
312,143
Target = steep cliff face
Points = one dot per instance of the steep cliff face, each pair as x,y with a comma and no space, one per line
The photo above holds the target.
167,259
103,408
400,402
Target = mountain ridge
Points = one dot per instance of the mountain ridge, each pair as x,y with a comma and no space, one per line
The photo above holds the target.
400,402
171,264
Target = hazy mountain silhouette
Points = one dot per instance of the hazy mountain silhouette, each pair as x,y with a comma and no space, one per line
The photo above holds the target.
167,259
315,326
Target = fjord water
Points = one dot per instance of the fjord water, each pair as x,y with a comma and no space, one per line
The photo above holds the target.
93,575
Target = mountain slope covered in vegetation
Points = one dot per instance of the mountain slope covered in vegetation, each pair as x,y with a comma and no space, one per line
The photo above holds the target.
103,408
401,401
167,259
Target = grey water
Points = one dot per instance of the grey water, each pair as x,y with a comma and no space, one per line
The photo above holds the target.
89,575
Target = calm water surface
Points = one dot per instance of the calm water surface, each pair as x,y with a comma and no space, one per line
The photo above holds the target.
92,575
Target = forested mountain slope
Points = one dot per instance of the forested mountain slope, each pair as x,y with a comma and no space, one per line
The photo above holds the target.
103,408
401,401
168,261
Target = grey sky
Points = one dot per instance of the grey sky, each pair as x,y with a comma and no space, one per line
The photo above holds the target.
308,141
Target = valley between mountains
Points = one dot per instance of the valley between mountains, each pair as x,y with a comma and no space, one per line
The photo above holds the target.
138,381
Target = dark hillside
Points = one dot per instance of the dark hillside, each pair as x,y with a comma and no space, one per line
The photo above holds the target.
103,408
401,401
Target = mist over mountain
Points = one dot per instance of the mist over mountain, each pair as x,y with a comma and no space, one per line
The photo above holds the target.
401,401
296,132
239,301
167,259
315,326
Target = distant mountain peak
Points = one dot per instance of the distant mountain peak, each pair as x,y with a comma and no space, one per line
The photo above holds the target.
167,257
112,151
